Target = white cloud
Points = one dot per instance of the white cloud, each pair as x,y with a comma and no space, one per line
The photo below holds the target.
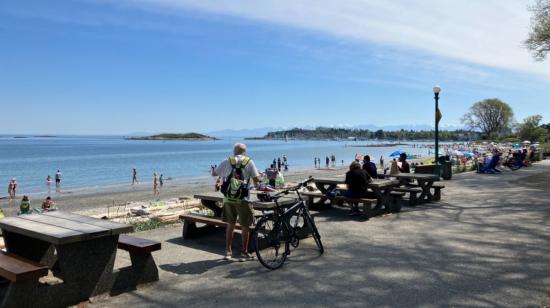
488,32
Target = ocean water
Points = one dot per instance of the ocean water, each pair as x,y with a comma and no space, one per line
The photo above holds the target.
97,161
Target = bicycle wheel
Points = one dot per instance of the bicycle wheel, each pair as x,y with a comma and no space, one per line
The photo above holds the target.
270,243
314,231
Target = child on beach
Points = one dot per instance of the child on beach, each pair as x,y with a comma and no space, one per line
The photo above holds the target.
25,206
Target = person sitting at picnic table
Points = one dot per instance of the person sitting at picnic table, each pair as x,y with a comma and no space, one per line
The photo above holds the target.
25,206
369,167
357,181
271,174
404,168
48,205
237,171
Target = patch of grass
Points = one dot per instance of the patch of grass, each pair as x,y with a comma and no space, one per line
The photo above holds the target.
151,224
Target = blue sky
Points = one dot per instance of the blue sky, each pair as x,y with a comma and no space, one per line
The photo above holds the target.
115,67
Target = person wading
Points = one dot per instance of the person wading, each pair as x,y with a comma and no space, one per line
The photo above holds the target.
237,171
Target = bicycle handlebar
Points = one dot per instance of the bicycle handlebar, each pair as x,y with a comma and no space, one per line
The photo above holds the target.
278,195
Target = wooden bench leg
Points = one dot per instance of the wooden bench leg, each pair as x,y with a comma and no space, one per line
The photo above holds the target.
395,205
143,270
17,294
189,229
437,194
412,199
366,209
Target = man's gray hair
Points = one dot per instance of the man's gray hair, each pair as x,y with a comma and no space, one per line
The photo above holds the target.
239,149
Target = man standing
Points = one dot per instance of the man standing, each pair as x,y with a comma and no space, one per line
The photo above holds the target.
382,162
134,176
58,177
237,171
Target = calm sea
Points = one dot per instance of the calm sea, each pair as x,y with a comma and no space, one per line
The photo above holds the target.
98,161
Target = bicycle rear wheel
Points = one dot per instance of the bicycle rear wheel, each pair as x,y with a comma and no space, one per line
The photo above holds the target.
270,243
315,232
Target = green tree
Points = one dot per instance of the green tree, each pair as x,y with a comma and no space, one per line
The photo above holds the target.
538,41
492,117
530,129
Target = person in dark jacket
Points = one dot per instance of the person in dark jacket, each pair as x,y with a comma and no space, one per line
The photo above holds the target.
370,167
357,181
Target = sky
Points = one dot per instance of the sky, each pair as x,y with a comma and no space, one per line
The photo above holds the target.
121,66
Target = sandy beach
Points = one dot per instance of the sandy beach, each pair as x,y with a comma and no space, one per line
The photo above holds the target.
96,200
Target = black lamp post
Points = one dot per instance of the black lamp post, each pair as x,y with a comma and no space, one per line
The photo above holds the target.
437,89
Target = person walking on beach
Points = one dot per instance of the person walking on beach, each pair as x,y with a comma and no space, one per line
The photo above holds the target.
279,164
134,176
327,162
315,162
12,189
156,191
237,170
381,162
161,180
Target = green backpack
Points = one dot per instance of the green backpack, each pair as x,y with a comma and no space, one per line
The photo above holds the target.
234,187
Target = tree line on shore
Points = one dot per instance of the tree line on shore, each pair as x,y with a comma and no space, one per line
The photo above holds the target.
489,119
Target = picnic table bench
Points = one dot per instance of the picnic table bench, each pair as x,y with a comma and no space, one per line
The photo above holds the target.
382,189
424,182
214,201
79,250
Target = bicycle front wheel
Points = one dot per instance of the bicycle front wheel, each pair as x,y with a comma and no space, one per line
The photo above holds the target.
270,243
315,232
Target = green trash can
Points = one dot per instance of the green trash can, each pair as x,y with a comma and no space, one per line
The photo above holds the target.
445,167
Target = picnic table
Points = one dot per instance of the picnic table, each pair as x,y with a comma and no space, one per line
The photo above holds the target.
214,202
424,181
380,187
79,250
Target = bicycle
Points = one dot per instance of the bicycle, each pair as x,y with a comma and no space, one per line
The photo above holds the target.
278,229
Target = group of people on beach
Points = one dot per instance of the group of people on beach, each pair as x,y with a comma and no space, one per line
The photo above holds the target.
330,161
158,181
13,186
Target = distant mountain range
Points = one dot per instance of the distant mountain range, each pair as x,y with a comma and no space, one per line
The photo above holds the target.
262,131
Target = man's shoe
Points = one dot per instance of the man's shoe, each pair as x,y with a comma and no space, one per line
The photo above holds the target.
245,256
228,256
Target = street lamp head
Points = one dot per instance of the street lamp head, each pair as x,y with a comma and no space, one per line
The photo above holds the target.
437,89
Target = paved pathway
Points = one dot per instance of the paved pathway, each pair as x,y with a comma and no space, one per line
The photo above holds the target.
486,244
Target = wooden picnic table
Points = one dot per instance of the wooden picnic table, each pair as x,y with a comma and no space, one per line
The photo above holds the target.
425,181
79,250
380,187
214,202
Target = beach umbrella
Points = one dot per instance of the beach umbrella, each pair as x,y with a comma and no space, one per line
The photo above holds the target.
457,153
397,153
516,145
468,154
526,142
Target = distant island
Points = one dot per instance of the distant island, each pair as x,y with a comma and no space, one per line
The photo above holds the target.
330,133
187,136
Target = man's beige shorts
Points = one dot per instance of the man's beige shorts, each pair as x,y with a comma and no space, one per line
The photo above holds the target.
233,210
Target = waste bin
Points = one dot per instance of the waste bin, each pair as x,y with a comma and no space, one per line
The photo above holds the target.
445,167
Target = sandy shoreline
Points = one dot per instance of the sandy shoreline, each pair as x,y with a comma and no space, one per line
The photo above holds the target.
96,200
